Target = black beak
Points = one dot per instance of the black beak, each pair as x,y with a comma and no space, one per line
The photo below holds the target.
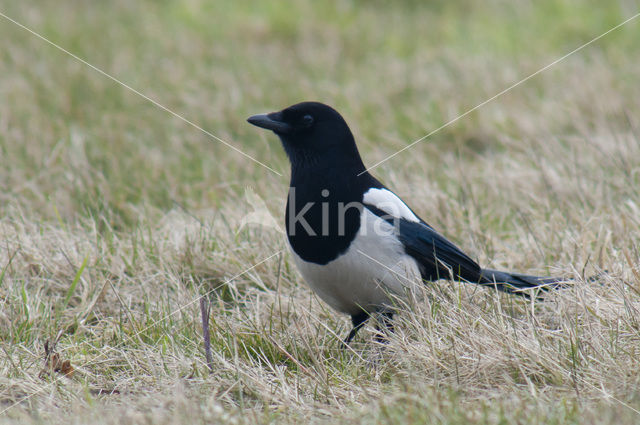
271,121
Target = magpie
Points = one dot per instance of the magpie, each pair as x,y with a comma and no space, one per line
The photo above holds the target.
355,242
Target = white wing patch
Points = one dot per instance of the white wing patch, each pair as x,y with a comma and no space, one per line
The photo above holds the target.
388,202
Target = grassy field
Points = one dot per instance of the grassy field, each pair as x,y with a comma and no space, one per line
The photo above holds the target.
115,216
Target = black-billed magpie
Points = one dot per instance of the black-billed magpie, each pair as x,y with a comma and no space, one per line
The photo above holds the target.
355,242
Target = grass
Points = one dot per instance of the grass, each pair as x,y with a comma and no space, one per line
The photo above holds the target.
115,216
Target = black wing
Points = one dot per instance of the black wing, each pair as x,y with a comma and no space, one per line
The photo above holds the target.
436,256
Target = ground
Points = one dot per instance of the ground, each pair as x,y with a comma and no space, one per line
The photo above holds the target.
116,215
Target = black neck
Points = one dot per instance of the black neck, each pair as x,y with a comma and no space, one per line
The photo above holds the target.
305,165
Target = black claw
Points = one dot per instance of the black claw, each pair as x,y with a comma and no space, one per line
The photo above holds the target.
384,327
358,321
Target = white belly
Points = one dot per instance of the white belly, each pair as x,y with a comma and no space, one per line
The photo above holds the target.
368,275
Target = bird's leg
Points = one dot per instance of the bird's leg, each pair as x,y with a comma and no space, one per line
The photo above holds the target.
358,321
384,326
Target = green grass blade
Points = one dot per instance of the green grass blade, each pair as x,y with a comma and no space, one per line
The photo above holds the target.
76,279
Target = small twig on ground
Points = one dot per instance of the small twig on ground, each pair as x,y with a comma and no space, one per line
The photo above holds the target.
204,310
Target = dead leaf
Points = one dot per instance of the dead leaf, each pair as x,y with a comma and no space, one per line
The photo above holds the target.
52,362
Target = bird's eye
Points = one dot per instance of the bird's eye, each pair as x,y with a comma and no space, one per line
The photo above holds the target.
307,120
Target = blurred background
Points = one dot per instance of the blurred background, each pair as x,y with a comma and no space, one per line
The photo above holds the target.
73,139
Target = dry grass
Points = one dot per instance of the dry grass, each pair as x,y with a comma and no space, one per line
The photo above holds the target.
115,217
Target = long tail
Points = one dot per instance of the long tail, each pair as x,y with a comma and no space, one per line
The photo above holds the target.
515,283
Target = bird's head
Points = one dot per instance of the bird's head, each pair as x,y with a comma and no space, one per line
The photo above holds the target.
312,133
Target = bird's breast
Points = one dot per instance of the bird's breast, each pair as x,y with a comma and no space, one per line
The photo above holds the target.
322,220
371,270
